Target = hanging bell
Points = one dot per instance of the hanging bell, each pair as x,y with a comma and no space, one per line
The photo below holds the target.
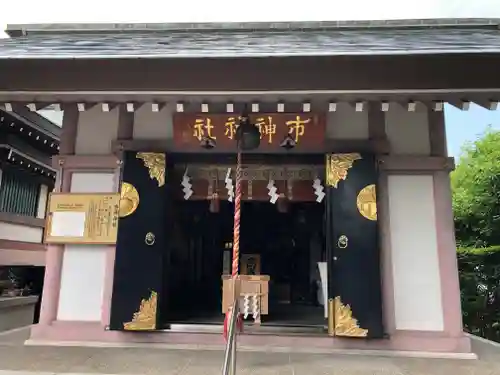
247,134
288,142
207,143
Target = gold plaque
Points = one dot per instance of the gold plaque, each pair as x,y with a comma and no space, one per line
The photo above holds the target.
129,199
367,202
82,218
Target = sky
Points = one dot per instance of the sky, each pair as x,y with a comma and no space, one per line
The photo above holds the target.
54,11
461,126
467,126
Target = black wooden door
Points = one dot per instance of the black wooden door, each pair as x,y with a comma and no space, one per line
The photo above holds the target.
141,244
354,288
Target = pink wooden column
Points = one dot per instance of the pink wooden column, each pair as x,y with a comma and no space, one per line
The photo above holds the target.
52,283
110,270
447,255
54,253
445,228
377,132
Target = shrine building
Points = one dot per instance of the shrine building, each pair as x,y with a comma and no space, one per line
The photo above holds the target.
28,141
347,233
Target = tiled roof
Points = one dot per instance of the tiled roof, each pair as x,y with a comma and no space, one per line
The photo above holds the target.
35,121
251,40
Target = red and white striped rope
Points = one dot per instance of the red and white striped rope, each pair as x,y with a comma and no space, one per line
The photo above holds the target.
237,218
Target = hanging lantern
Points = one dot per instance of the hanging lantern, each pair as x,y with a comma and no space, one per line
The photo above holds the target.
284,198
282,204
215,200
214,203
247,134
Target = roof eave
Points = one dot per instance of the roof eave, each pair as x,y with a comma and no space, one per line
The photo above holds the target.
15,30
36,122
432,52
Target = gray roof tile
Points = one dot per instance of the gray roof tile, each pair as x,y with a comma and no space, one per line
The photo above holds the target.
233,42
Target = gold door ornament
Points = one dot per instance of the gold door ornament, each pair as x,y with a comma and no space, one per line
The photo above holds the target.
337,166
145,318
367,202
156,163
345,323
129,199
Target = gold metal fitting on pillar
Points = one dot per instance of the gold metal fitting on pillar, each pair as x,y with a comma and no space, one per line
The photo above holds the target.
331,317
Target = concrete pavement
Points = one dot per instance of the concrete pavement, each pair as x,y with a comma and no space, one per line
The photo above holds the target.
17,359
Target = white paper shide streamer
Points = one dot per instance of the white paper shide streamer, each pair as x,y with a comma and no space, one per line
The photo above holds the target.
318,190
229,185
246,305
187,187
273,192
255,307
251,306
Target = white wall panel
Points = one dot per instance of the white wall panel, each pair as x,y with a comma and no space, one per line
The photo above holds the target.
19,232
92,182
414,253
82,283
83,268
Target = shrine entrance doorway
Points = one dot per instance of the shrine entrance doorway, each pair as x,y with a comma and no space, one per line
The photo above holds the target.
196,263
173,250
286,245
285,241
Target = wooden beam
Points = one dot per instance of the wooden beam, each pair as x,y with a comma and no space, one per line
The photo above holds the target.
22,220
491,104
125,122
379,146
376,146
400,164
88,162
376,123
69,129
437,133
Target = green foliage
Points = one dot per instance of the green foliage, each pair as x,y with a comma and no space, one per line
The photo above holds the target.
479,271
476,192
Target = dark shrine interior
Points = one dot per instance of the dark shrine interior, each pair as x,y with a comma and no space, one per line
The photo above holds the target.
289,244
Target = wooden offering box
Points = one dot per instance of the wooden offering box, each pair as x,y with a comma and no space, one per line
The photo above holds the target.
249,284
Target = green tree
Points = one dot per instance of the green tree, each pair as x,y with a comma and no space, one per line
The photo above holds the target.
476,192
479,271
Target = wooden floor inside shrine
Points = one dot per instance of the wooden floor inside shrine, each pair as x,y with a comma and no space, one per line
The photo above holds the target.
282,316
